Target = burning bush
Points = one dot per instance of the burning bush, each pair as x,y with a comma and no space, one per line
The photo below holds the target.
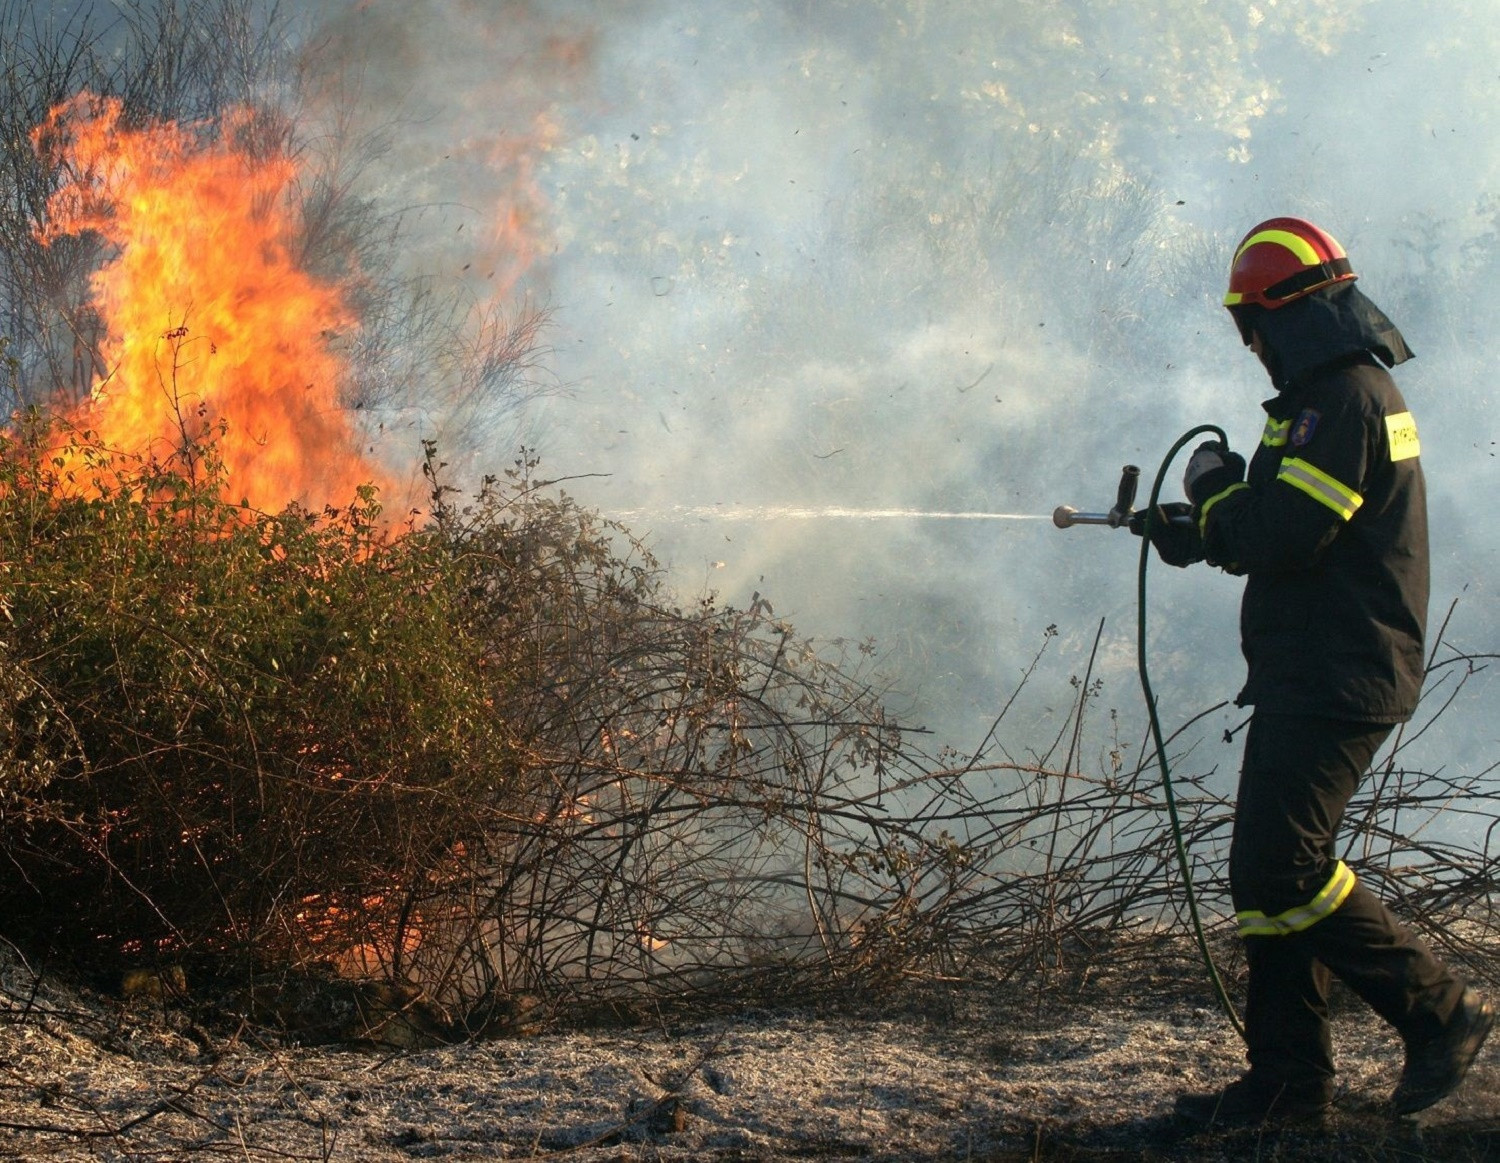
229,729
479,754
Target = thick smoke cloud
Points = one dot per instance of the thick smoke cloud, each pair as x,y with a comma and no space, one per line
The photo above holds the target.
896,254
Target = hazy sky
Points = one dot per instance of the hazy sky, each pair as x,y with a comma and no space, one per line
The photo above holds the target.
948,257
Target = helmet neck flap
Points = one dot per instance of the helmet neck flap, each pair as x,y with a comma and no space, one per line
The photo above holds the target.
1320,330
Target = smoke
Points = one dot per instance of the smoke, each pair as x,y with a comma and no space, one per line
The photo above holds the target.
900,255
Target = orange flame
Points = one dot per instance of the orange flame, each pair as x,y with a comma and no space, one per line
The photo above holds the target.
208,316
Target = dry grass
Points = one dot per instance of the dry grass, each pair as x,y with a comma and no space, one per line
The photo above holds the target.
981,1071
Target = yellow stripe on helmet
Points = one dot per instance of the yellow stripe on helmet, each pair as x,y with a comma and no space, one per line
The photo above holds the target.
1293,242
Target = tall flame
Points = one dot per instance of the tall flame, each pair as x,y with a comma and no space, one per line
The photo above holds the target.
208,316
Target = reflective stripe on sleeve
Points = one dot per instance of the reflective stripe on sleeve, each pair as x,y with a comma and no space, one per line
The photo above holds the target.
1214,500
1321,487
1276,433
1329,898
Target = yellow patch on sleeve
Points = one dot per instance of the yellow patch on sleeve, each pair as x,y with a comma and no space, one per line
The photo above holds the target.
1402,431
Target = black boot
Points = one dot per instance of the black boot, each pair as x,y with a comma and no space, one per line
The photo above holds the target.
1253,1102
1435,1067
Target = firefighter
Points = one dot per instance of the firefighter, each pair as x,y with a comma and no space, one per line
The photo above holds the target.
1329,529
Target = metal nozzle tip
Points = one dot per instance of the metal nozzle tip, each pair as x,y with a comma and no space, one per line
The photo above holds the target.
1062,516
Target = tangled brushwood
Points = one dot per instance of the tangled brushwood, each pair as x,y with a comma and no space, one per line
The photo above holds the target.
480,757
477,755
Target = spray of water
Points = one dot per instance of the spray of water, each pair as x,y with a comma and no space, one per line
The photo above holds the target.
827,512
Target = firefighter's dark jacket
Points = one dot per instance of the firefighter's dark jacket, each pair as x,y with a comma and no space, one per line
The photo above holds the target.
1330,525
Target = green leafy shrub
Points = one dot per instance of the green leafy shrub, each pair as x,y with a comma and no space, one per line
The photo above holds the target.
272,722
482,754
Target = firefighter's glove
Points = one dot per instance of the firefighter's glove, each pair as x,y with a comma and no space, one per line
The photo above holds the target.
1211,470
1176,541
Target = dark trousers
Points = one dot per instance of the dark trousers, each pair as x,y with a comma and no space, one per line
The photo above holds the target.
1298,776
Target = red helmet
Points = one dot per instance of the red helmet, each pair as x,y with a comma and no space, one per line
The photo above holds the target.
1283,259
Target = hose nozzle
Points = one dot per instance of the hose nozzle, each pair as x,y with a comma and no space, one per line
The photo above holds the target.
1065,516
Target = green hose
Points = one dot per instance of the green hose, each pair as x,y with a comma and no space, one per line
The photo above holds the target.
1156,732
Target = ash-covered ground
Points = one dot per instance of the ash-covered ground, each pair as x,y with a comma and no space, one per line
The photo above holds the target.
944,1072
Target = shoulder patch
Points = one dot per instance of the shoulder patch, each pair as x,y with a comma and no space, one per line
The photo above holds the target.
1401,429
1304,427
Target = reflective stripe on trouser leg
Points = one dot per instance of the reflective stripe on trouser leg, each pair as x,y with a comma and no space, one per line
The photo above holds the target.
1254,923
1286,1003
